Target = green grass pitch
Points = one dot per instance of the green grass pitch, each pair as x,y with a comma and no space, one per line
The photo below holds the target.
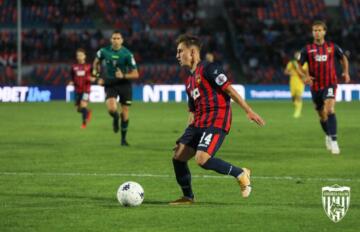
56,177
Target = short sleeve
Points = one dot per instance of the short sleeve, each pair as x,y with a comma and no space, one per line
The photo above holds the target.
99,54
303,56
215,74
288,66
130,61
338,51
305,66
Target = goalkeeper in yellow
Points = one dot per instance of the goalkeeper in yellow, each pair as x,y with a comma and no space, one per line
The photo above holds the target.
296,83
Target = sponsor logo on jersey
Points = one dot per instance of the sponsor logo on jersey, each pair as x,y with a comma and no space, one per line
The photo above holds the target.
198,79
80,73
321,58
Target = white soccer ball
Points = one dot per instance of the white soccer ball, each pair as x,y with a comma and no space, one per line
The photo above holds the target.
130,194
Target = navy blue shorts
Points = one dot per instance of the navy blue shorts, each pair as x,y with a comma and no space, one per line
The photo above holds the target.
203,139
81,97
321,95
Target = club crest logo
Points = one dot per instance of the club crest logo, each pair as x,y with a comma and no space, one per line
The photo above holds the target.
198,79
336,201
329,50
220,79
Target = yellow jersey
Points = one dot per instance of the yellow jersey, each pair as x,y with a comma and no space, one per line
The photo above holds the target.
295,79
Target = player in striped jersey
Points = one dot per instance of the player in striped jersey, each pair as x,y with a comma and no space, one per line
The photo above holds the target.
209,92
320,55
81,79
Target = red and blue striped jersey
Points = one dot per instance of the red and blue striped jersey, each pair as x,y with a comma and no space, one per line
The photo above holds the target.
321,60
207,99
81,76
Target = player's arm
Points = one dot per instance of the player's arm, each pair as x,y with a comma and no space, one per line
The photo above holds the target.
235,96
216,75
72,76
344,63
191,107
345,67
191,118
287,69
96,67
133,73
304,74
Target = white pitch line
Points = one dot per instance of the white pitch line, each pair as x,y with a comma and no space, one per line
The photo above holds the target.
289,178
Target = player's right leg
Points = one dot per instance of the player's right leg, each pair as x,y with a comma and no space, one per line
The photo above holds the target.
184,151
317,97
125,93
78,97
111,105
329,108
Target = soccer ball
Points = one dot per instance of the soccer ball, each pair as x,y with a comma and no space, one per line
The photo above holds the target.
130,194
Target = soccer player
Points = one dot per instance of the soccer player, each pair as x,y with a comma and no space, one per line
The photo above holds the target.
121,69
209,93
81,79
321,76
296,84
209,57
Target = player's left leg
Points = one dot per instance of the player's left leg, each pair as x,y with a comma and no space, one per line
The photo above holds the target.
125,93
85,113
210,142
124,123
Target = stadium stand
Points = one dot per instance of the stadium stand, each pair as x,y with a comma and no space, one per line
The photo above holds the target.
266,34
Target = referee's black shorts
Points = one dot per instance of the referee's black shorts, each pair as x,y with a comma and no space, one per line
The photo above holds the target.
123,91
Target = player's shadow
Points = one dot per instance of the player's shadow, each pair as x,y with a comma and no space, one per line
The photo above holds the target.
200,203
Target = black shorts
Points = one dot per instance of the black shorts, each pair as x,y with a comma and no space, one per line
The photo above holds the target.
321,95
124,92
81,97
203,139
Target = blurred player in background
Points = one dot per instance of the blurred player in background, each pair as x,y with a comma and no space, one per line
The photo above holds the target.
320,55
297,85
120,70
209,57
81,79
209,93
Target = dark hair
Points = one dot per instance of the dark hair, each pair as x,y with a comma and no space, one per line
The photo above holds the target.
189,40
81,50
320,23
116,32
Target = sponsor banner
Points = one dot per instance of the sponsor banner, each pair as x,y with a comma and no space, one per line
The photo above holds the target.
271,92
161,93
31,93
146,93
345,92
